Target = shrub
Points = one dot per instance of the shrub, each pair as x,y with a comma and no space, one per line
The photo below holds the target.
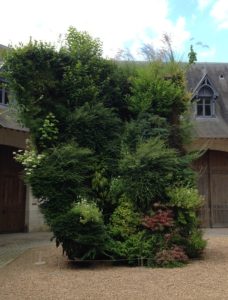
62,177
160,220
142,247
171,257
195,244
137,247
128,239
184,197
81,232
114,137
147,172
124,220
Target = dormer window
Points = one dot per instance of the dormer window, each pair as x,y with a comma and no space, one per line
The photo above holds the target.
205,107
205,96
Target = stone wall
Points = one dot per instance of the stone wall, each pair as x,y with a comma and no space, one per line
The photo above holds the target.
34,219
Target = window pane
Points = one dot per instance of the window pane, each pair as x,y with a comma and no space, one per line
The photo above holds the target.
207,101
200,101
199,109
207,110
6,98
1,96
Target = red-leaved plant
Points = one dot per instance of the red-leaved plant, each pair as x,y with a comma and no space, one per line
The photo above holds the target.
168,256
160,220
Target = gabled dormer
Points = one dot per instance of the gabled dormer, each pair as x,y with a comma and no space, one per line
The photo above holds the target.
204,96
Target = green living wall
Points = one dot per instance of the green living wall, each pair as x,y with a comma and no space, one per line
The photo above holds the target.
106,157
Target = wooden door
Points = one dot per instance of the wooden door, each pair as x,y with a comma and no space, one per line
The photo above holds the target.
212,168
201,167
12,193
219,188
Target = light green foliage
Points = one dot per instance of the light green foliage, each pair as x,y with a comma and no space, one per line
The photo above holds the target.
88,212
143,246
100,184
49,131
159,89
3,52
185,197
124,220
139,247
195,244
116,189
186,201
83,47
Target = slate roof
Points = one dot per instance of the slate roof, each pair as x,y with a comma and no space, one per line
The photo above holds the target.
7,117
211,127
7,120
3,47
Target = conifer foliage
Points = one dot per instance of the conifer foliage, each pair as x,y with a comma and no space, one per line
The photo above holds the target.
106,156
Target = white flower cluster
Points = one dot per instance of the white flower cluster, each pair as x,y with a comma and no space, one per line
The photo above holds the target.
29,159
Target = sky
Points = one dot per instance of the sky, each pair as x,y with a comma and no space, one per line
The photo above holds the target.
123,24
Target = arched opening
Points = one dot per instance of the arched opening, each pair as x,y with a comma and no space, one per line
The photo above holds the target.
12,192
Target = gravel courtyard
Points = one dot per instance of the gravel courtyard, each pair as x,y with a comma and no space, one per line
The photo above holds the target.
42,273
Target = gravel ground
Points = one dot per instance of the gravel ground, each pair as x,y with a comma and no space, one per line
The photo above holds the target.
44,274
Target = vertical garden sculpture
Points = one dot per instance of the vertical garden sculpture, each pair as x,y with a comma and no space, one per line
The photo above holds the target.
106,157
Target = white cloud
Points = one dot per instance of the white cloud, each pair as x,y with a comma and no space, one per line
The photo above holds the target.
177,33
219,12
114,22
208,54
203,4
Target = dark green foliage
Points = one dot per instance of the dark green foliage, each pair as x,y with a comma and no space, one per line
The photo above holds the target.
195,244
192,56
145,127
81,232
115,89
35,73
61,178
98,128
75,84
148,171
107,158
